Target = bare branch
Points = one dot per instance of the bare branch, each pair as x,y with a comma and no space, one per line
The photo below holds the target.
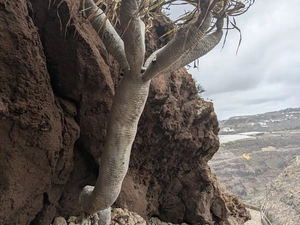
133,36
108,34
185,40
206,44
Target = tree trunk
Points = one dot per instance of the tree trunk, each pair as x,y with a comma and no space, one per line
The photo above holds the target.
128,105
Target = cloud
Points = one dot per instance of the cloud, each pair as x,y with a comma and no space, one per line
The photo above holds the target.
265,74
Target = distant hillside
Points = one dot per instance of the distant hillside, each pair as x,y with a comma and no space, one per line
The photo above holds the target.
246,166
283,203
286,119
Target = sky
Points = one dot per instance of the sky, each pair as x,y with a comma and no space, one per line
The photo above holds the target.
265,74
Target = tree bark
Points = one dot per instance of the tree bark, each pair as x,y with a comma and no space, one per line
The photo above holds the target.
131,94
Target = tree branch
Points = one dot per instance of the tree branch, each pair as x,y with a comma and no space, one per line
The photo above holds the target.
185,40
207,43
107,33
133,36
128,105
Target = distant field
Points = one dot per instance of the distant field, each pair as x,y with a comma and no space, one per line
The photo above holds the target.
234,137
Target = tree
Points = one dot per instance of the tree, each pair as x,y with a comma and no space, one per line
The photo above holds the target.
193,40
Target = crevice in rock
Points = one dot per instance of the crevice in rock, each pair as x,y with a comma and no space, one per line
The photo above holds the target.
41,215
46,201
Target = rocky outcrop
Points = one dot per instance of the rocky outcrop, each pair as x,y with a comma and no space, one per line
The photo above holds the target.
57,77
178,137
37,134
283,201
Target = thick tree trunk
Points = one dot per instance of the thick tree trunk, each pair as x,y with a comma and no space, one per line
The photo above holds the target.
128,105
131,96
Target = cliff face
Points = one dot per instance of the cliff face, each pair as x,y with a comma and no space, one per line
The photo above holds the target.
282,199
57,83
37,134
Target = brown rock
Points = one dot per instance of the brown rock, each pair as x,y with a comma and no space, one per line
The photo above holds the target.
72,219
37,137
60,221
177,136
44,169
123,216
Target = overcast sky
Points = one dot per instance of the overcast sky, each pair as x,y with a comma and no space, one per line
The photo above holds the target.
265,74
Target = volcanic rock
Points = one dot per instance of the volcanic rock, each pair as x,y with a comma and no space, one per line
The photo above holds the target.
56,77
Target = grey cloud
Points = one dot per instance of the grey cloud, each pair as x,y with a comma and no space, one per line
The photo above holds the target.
265,75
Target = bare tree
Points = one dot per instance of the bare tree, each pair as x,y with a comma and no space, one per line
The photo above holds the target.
192,40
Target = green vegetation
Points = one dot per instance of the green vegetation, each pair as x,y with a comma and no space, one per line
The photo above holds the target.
270,217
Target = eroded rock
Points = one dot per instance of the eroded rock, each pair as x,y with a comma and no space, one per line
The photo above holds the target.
37,137
168,176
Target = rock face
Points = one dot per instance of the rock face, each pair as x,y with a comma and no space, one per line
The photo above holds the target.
174,167
57,77
283,200
37,135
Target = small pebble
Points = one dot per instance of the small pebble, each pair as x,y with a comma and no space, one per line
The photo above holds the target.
60,221
72,219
